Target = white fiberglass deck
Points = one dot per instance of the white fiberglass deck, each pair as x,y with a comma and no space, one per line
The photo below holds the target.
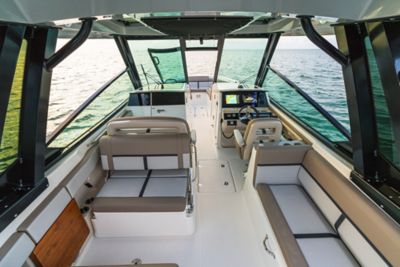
224,235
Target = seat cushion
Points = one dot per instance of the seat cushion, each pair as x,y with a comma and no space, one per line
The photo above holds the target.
327,252
122,187
300,212
166,187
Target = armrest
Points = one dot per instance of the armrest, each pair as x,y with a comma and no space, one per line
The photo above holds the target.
193,137
238,138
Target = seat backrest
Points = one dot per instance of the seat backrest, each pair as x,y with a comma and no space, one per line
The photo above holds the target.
267,130
366,230
144,143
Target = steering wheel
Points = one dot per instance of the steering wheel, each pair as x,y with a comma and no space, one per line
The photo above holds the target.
248,114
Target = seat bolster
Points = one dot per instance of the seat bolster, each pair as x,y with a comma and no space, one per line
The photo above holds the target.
281,155
139,204
290,249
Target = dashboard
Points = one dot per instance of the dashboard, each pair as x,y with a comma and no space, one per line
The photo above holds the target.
235,99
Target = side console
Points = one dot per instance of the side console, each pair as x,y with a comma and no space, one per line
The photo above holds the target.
165,103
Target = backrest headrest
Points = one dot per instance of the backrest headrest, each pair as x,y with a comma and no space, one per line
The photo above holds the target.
281,155
146,143
264,129
147,125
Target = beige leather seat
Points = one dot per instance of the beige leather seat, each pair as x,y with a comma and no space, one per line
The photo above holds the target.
262,130
319,217
148,159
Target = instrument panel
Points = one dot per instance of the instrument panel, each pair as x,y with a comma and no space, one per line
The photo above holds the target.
236,99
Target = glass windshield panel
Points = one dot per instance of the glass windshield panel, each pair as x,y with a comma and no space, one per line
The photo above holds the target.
80,75
169,65
241,59
163,59
386,139
10,138
282,94
315,72
96,112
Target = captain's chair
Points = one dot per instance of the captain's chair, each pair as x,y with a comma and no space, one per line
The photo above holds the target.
261,130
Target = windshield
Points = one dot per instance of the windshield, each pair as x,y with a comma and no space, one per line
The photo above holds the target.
241,59
159,63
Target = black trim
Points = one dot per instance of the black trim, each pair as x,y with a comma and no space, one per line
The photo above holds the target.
71,46
126,54
182,43
321,42
145,183
359,101
268,53
145,164
339,221
316,235
201,49
220,47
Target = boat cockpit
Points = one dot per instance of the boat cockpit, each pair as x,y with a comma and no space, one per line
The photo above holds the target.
229,138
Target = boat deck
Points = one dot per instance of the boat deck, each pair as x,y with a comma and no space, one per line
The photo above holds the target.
224,235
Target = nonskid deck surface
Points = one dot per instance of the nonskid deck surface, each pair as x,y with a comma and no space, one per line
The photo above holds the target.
224,235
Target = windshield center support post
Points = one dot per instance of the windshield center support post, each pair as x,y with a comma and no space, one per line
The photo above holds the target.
126,54
384,37
220,47
273,40
321,42
182,43
72,45
360,104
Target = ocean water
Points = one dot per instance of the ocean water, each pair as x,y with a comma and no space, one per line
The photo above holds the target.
98,61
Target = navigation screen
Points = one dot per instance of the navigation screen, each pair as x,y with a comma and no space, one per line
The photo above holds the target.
231,99
250,98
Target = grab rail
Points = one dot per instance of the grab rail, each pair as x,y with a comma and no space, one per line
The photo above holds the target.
312,102
75,114
72,45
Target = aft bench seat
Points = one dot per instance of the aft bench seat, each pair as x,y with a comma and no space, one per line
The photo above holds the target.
319,218
148,190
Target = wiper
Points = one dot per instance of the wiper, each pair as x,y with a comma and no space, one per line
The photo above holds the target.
147,75
241,83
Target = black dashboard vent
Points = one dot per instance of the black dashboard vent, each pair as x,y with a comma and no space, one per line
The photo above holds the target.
197,26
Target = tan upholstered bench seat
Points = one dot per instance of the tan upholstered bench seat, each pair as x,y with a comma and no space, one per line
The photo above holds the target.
306,236
319,218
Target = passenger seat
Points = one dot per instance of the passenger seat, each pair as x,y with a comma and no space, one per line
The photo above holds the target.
149,162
